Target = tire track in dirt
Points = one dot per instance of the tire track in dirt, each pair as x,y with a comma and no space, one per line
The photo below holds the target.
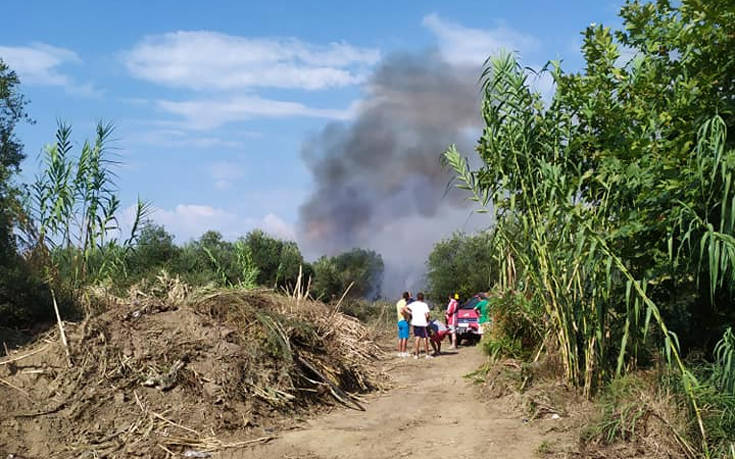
430,410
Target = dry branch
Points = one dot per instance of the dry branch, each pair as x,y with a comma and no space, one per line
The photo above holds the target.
62,334
15,359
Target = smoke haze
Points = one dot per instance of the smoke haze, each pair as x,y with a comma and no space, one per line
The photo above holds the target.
379,183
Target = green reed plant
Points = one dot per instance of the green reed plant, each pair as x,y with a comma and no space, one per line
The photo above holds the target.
75,208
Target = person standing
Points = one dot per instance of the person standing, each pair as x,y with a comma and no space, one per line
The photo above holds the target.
451,318
419,321
402,325
482,311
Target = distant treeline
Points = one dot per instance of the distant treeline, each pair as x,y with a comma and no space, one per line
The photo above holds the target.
256,259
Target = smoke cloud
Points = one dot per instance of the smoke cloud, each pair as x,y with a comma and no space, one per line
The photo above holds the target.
379,182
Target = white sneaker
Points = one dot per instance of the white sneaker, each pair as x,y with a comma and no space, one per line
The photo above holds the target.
416,357
429,357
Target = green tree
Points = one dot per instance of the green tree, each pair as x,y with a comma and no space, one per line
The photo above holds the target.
209,259
23,301
328,284
360,267
278,261
154,250
461,264
12,111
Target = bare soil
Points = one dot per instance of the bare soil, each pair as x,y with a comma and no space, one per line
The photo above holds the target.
434,409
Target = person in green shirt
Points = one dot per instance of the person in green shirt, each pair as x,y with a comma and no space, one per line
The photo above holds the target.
482,308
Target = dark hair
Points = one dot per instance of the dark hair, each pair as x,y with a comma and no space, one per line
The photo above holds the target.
420,296
406,295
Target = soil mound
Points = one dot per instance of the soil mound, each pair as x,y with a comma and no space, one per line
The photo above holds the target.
168,370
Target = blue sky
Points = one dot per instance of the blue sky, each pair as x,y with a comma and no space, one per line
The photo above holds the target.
212,102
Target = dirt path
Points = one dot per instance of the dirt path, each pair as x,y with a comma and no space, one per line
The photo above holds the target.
430,410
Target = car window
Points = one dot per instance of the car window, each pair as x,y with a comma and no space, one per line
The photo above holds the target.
470,304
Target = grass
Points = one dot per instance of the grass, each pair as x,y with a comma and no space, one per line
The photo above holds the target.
544,448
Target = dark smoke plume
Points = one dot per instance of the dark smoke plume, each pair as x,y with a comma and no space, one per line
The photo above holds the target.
379,183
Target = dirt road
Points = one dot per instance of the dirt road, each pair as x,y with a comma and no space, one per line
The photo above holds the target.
431,410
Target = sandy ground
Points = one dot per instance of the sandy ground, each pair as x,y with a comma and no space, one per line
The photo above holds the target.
431,410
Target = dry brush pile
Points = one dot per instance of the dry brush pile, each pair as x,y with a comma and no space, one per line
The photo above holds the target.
167,370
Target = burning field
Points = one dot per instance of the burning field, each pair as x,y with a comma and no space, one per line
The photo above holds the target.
173,370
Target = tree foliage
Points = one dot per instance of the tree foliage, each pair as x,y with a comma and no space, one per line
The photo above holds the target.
22,299
278,261
361,268
12,111
255,259
154,249
461,264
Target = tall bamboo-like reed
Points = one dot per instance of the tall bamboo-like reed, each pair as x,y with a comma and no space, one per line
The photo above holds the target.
75,206
560,217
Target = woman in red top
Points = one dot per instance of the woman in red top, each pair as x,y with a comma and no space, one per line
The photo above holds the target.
451,319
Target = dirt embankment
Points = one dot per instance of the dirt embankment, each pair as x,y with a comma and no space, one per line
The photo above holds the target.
165,373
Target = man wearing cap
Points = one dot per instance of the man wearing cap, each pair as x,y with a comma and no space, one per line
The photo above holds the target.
451,319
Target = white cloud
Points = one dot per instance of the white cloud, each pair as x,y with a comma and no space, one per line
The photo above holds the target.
464,45
174,137
190,221
276,226
210,60
543,83
38,64
208,114
225,173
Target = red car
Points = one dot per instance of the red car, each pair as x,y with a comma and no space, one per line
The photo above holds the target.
467,321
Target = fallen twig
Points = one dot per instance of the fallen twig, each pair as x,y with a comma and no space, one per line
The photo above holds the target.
61,329
211,444
688,450
15,359
167,450
173,423
27,395
336,391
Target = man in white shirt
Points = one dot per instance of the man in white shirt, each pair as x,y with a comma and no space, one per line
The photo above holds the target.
419,320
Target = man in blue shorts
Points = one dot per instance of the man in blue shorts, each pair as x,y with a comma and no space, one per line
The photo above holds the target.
402,325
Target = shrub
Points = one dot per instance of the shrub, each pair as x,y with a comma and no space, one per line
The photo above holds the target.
517,328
